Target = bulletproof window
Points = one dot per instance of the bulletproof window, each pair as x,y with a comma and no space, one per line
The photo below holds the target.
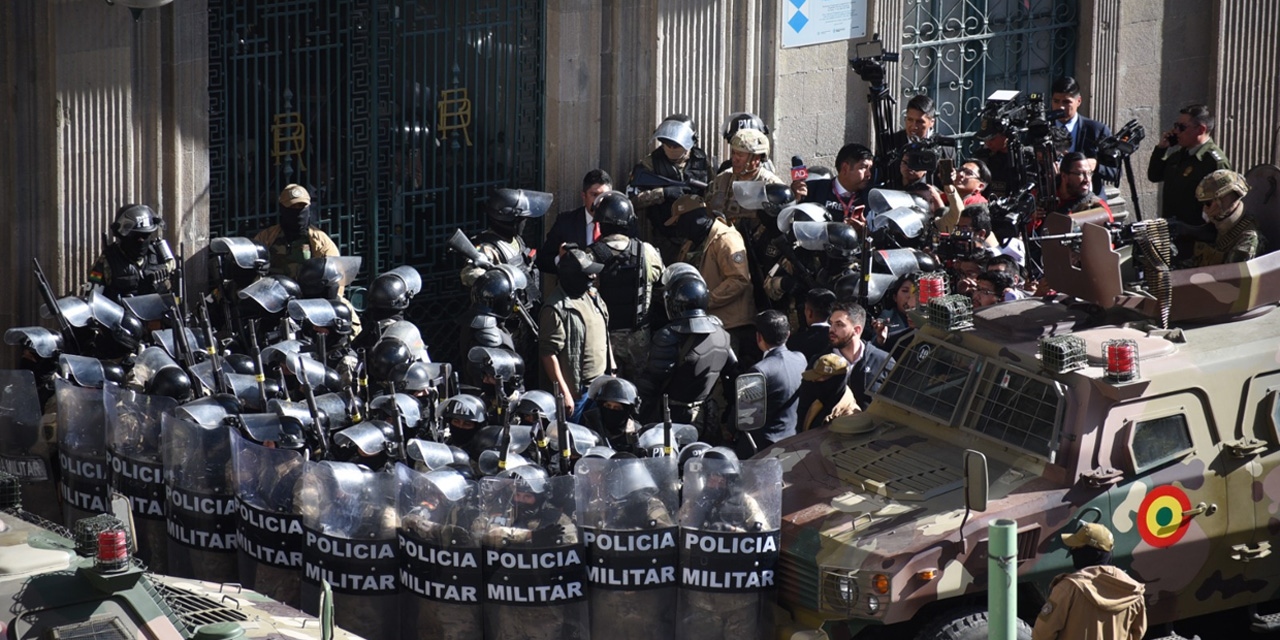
931,379
1017,409
92,629
1159,440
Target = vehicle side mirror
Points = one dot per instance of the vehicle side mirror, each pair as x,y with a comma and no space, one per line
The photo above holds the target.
749,410
976,482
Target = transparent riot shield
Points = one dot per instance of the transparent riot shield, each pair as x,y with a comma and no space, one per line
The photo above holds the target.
729,538
82,452
441,583
627,509
349,524
135,467
534,571
201,502
269,535
24,452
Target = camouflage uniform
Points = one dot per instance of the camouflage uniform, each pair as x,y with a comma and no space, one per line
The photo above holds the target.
720,198
287,256
627,614
1240,243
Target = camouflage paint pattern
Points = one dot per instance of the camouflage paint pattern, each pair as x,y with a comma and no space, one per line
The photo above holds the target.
1183,464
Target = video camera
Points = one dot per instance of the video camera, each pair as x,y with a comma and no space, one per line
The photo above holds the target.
923,155
868,61
1113,149
1013,113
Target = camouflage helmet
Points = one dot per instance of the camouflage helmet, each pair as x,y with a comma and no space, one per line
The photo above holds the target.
750,141
1220,183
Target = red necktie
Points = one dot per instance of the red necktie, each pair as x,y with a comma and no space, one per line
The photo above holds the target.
595,231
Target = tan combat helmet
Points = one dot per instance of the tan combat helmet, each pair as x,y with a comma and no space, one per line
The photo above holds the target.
1220,183
750,141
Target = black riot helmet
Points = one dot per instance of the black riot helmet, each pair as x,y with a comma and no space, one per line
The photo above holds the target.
742,120
342,322
538,404
508,209
319,278
136,220
614,212
394,289
172,382
530,479
732,469
385,357
239,260
493,293
686,297
291,286
465,407
613,389
842,242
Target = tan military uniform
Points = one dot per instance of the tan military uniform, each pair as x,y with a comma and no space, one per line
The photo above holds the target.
287,256
1095,603
722,260
720,194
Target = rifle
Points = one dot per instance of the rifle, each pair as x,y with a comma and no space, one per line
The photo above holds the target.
259,370
395,412
51,301
666,425
180,274
219,376
643,179
504,411
313,408
186,354
563,424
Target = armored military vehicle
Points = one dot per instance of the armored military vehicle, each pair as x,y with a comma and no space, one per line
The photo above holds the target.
1155,412
85,583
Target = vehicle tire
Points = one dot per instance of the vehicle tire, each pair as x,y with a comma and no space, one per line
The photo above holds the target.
966,623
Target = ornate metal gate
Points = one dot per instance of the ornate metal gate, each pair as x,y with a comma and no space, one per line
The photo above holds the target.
959,51
398,115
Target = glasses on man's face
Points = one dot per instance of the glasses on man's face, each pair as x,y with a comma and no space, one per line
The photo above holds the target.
966,174
986,292
1181,126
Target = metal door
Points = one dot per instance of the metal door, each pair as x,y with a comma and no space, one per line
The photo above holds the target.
399,116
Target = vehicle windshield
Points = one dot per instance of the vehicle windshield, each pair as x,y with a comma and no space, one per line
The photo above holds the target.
930,379
961,389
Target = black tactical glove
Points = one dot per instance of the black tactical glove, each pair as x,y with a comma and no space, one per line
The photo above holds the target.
548,536
672,193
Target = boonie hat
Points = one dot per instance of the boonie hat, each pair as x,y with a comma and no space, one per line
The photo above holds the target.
685,204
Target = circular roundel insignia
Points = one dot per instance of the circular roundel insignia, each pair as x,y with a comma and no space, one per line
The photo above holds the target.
1160,518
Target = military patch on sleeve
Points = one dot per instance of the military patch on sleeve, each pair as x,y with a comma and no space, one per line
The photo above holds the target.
739,257
1046,609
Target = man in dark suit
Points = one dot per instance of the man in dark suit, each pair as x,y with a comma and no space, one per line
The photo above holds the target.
870,364
782,369
1085,133
577,226
812,341
844,195
916,125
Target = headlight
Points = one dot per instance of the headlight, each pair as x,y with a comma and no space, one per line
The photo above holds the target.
839,591
846,590
873,605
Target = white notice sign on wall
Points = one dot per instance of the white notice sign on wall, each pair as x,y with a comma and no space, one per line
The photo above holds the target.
806,22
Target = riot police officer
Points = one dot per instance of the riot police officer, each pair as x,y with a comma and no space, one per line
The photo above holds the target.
631,267
613,415
484,324
688,355
678,166
465,415
389,296
137,262
507,211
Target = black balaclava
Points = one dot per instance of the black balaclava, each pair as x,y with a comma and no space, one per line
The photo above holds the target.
614,421
1085,557
508,230
294,221
134,244
695,225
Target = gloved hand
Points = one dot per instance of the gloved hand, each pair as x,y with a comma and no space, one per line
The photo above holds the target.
672,193
548,536
648,198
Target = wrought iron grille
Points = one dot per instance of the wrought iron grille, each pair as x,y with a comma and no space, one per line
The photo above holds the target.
399,116
959,51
